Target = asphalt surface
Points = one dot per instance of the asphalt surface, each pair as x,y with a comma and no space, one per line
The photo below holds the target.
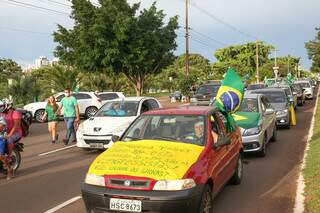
46,180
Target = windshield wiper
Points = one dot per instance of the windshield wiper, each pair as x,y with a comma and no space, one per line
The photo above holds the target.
165,138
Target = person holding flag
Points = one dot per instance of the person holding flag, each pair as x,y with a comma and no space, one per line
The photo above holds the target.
230,96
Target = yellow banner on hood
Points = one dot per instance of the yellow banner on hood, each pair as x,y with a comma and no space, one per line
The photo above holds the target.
154,159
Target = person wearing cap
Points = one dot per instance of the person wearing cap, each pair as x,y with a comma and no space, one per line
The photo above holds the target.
13,120
3,158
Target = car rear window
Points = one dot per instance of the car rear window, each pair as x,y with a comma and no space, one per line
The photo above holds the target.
274,96
108,96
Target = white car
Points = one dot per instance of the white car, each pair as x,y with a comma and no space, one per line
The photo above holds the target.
88,102
106,96
307,87
97,131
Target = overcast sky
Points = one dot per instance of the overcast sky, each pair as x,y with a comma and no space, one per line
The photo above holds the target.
286,24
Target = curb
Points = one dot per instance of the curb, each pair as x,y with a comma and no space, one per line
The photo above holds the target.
299,201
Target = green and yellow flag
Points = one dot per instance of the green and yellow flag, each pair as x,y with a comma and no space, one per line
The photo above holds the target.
230,95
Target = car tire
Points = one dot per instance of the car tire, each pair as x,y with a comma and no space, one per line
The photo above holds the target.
263,151
206,200
274,134
90,111
238,173
38,115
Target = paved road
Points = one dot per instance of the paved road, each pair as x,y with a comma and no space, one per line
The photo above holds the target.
45,181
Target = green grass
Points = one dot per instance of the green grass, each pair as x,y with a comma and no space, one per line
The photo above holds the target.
311,171
156,95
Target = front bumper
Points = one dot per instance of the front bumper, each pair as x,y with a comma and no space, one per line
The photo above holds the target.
93,141
253,143
283,120
97,199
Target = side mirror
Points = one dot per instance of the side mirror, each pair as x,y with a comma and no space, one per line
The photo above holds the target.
115,138
222,141
269,111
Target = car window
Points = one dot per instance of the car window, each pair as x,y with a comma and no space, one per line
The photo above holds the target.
222,122
59,98
81,96
145,106
108,96
249,105
274,96
118,109
152,104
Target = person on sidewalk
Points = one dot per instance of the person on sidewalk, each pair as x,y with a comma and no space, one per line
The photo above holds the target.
50,114
71,115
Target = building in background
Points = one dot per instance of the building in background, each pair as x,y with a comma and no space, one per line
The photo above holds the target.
40,62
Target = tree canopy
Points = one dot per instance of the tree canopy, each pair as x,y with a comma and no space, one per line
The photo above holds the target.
313,48
115,37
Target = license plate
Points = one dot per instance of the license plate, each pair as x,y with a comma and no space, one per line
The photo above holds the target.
125,205
96,145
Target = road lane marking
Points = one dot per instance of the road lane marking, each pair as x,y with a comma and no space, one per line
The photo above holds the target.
57,150
62,205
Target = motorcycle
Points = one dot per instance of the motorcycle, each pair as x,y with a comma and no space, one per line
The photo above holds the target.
15,159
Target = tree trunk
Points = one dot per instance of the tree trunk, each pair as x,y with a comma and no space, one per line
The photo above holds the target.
139,86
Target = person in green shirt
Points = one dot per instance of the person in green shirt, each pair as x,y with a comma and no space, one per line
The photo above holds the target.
71,114
50,114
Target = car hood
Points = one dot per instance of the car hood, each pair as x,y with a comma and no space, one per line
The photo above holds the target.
106,125
279,106
247,120
158,160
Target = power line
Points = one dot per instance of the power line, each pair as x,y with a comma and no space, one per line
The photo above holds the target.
222,21
35,7
23,30
209,38
56,3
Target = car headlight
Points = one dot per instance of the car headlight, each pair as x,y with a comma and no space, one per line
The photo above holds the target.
193,99
96,180
171,185
253,131
282,112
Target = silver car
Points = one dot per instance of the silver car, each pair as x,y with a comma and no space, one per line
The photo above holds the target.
257,121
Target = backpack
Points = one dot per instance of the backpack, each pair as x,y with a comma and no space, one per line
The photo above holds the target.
24,124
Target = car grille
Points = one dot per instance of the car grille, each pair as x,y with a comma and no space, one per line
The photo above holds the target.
127,183
89,141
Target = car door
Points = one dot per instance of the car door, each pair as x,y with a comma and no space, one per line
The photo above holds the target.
84,101
269,118
222,165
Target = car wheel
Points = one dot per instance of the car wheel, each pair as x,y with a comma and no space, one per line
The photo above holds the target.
206,200
274,134
263,151
90,111
238,174
38,115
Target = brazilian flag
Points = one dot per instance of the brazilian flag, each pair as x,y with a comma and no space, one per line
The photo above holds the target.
230,95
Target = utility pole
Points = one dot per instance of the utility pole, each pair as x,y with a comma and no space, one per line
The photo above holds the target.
288,65
275,68
187,38
257,61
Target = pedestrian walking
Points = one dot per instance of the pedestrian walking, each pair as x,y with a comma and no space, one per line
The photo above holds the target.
50,114
71,115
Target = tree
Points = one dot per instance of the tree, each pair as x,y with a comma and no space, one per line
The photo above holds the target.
24,90
9,69
113,37
313,49
242,58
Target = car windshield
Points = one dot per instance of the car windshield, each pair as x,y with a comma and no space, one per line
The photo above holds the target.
208,89
274,96
304,84
176,128
249,105
118,109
